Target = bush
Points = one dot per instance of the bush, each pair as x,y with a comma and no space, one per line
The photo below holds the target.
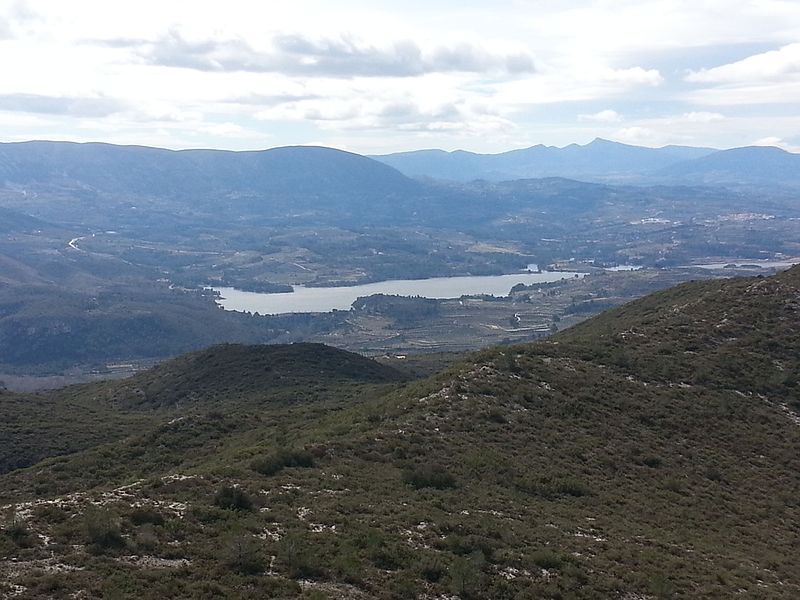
432,476
244,556
297,552
652,461
232,498
467,579
572,487
432,568
142,515
16,530
546,559
274,463
102,530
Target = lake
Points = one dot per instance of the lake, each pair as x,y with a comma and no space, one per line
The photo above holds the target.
325,299
743,262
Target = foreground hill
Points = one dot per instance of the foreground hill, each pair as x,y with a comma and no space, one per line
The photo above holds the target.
34,427
622,459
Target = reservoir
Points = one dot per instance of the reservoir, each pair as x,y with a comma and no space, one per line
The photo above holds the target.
745,263
325,299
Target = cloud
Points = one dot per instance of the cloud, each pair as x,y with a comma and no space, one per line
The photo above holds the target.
60,105
604,116
634,75
342,56
778,143
775,65
16,16
270,99
702,117
637,135
392,114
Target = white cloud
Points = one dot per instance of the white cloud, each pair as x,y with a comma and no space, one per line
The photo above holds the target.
702,117
775,65
603,116
634,75
757,94
638,135
61,105
778,143
343,55
390,113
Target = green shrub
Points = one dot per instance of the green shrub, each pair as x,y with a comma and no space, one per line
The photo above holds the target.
16,530
102,530
276,462
571,487
546,559
433,476
467,579
432,568
243,555
298,553
232,498
142,515
652,461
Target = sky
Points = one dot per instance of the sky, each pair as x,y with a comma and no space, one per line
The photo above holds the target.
386,76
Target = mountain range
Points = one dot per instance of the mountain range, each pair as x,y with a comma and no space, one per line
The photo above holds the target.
650,452
606,161
307,172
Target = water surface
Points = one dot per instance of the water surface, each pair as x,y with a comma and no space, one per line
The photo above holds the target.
325,299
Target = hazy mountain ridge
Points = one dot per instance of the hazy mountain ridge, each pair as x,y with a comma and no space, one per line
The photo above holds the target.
579,467
606,161
145,170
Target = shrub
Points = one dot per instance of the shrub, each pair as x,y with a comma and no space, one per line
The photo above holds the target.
232,498
466,576
495,415
243,555
546,559
572,487
433,476
276,462
403,587
714,474
652,461
297,552
142,515
432,568
102,529
16,529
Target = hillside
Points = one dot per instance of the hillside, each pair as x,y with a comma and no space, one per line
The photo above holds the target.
622,459
741,336
52,423
235,371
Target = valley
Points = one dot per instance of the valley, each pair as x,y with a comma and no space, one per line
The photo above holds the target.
101,269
